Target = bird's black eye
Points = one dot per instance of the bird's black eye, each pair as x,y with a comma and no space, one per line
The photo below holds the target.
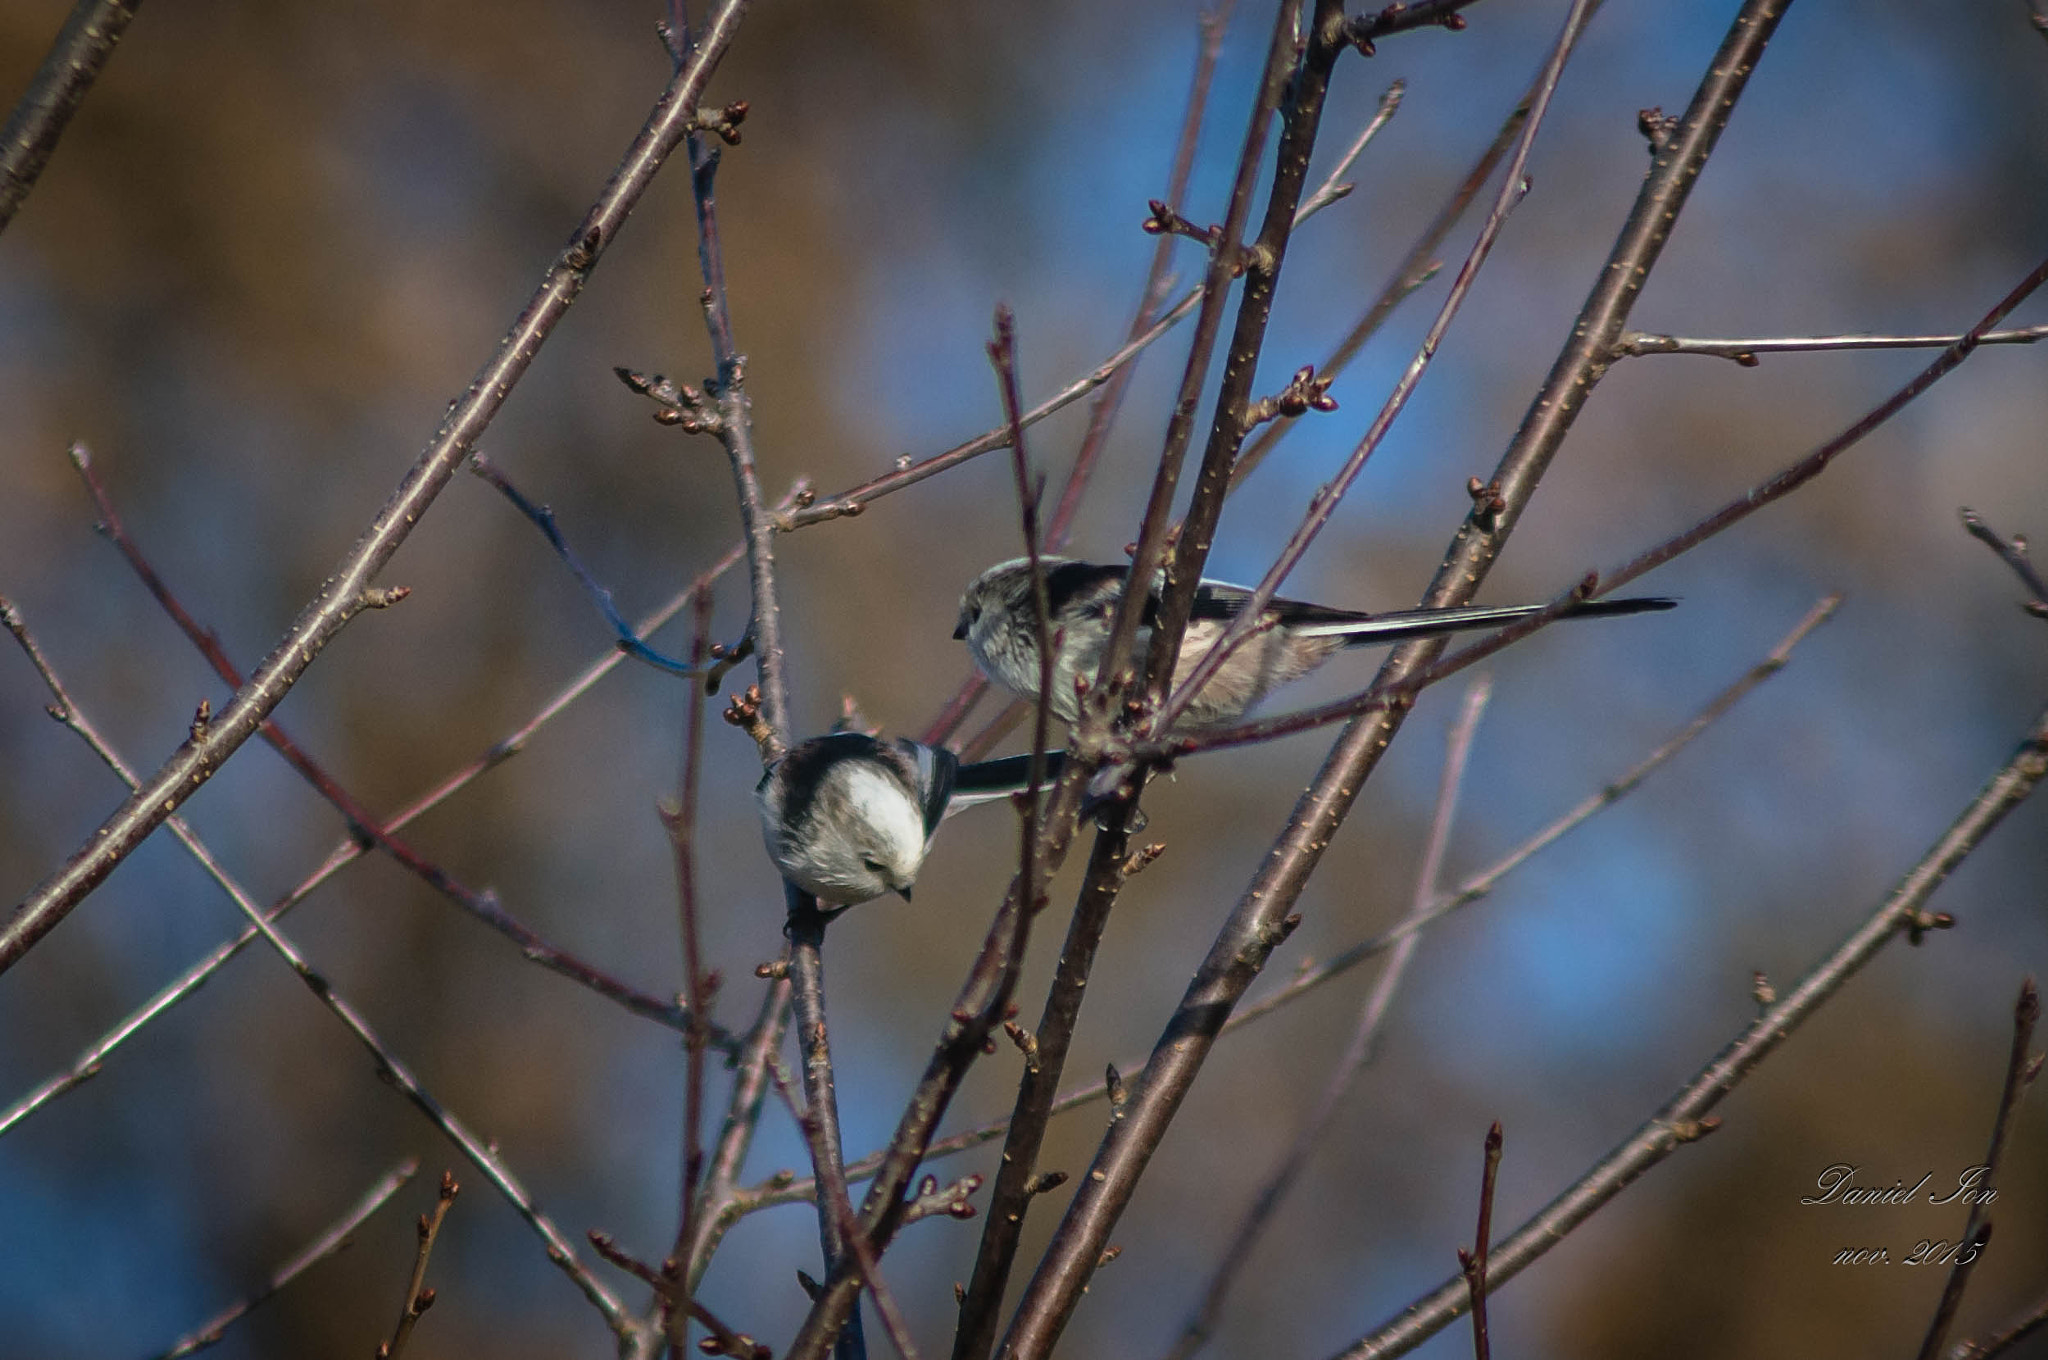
874,866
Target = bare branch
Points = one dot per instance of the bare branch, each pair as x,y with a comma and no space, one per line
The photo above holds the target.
2021,1067
1201,1324
1473,1262
2014,554
363,827
88,1063
419,1298
479,1152
1324,504
789,1190
1685,1118
2006,1337
342,597
1745,352
59,86
820,1117
329,1242
1811,466
1416,268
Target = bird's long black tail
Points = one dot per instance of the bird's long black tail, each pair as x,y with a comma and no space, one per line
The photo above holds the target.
1414,623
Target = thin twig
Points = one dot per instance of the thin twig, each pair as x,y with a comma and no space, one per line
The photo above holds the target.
88,1063
363,826
348,588
1745,352
1102,412
1002,353
790,1191
419,1298
2006,1337
1225,259
841,1208
2021,1067
1201,1324
680,820
1473,1262
1514,184
1331,189
1263,916
725,1340
720,1202
1685,1117
736,432
1811,466
820,1118
389,1066
542,517
1396,686
1416,268
59,86
332,1240
2014,554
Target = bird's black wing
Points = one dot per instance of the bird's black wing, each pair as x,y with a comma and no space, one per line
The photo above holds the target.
1222,601
936,769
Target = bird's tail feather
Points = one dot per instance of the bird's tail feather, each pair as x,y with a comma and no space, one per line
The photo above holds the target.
1414,623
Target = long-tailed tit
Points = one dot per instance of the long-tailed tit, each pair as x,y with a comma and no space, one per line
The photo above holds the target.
998,623
847,816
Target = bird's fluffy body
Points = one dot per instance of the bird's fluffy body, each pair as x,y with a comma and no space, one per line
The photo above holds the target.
847,817
997,621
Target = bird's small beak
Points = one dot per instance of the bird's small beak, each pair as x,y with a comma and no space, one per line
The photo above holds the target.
960,628
903,893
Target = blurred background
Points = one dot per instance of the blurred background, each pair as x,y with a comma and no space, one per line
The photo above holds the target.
279,238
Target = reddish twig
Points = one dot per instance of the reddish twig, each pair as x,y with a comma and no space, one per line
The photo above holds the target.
363,827
1473,1262
348,590
329,1242
419,1298
389,1066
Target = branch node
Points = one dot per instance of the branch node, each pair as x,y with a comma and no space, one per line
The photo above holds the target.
1657,128
382,597
1026,1042
693,410
744,712
202,718
1761,989
1920,922
725,122
1045,1181
1304,392
1141,859
1164,221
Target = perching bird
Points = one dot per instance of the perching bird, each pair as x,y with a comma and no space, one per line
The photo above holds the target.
847,816
998,623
